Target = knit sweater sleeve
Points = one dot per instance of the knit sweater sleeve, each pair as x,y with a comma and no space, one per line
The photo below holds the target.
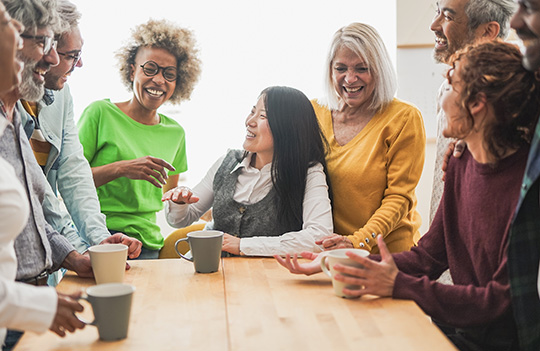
472,245
458,305
404,159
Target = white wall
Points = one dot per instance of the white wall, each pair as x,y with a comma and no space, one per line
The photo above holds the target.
245,45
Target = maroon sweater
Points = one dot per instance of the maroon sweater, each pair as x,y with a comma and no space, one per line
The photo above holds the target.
469,235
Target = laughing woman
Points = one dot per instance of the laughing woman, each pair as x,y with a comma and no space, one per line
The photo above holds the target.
134,151
272,197
377,145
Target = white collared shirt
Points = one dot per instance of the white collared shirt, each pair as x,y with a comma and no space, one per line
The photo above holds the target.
252,186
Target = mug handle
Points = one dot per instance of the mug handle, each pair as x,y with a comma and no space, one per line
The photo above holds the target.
324,267
178,252
85,297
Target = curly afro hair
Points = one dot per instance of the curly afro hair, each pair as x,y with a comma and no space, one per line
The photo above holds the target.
164,34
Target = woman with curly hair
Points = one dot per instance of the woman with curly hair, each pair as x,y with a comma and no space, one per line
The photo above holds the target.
134,151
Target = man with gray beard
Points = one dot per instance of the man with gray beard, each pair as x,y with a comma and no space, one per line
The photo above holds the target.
40,249
458,23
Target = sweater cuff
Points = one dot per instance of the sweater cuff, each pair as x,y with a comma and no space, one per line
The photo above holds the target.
362,240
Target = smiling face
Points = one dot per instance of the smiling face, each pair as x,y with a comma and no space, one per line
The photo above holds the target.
458,123
152,92
36,65
259,137
10,43
526,22
451,29
351,78
70,45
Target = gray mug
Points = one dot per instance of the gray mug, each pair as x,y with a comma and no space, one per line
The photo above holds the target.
205,246
111,304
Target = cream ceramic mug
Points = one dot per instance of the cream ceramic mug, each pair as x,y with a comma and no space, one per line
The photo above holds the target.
334,257
108,262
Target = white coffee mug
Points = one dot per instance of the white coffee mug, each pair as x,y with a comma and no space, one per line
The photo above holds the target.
108,262
334,257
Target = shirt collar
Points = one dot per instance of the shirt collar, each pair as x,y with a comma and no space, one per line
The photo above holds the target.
48,97
246,164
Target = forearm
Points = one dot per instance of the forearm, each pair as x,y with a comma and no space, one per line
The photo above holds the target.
182,215
60,247
317,223
457,305
107,173
288,243
26,307
385,219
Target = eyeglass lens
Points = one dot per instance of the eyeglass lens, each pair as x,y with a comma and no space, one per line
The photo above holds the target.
48,43
150,68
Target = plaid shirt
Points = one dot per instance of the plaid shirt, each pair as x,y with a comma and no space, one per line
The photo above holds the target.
524,253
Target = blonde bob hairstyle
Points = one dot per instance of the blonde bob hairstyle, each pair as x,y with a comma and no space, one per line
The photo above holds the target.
166,35
366,42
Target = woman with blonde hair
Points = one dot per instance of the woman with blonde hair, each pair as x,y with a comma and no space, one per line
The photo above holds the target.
135,152
377,145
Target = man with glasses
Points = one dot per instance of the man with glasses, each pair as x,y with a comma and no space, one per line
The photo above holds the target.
39,248
53,136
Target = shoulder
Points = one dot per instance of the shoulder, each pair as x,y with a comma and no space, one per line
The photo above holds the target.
319,107
234,154
98,108
458,165
170,122
403,108
99,105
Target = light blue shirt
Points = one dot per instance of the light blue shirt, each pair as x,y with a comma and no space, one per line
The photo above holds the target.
68,172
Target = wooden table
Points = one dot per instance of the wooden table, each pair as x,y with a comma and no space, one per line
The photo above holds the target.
250,304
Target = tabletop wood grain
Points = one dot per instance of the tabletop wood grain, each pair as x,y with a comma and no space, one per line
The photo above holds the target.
250,304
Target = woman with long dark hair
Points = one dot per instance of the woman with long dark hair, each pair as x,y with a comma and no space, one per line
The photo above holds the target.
272,197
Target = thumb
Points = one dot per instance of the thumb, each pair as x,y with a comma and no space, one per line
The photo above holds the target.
385,253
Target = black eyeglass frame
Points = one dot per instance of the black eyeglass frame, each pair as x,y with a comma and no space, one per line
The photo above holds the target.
152,72
48,42
76,57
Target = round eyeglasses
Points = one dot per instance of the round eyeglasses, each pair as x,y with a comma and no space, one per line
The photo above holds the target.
48,43
150,69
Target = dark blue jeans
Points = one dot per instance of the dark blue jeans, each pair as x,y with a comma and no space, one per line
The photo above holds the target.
12,337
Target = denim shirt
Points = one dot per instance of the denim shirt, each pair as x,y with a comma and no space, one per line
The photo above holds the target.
68,172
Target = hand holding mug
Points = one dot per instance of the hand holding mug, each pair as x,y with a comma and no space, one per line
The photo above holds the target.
375,278
65,318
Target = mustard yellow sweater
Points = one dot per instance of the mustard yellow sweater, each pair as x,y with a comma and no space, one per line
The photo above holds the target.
374,176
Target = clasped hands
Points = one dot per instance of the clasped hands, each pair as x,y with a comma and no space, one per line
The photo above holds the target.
375,278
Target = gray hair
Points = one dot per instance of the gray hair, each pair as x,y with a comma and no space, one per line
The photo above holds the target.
68,13
366,42
35,14
483,11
